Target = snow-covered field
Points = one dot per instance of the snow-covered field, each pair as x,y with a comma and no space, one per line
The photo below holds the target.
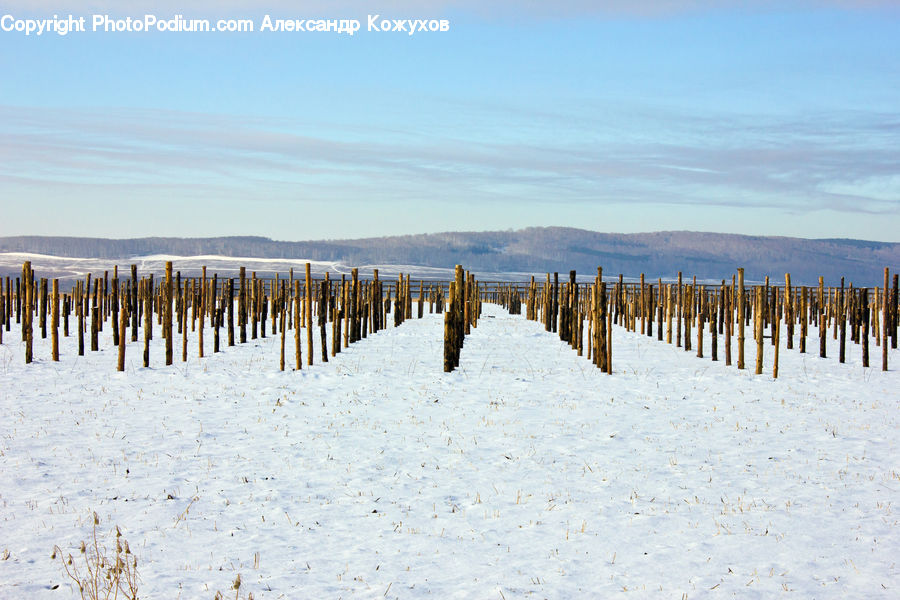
525,473
68,269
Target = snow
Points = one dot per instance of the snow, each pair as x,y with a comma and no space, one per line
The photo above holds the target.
526,472
228,266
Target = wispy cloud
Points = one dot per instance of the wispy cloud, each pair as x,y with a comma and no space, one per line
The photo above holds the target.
844,162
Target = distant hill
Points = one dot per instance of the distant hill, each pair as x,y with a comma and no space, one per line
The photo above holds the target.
709,256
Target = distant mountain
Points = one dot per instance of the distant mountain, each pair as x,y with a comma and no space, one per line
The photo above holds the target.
709,256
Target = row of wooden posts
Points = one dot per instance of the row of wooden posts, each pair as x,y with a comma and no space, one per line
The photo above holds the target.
463,310
725,309
353,307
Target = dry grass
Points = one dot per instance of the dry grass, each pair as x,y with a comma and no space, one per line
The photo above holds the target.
103,575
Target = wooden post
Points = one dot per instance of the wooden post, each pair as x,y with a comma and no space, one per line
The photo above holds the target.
307,307
336,317
823,319
713,325
608,331
841,315
659,309
788,311
79,312
28,311
167,312
148,319
365,305
701,302
728,317
323,315
893,311
759,322
195,304
213,300
135,309
804,316
203,308
276,302
345,306
179,301
679,309
776,333
114,308
670,309
741,315
283,328
183,321
120,363
448,339
242,306
253,302
555,307
377,323
43,308
66,309
95,318
885,320
421,298
54,322
298,354
864,307
688,299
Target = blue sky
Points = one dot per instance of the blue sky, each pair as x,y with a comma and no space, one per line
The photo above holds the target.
773,118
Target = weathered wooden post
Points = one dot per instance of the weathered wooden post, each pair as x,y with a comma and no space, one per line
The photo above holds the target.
54,324
885,320
841,315
28,311
823,318
43,308
183,322
323,314
448,335
307,308
167,313
215,315
95,341
713,325
298,354
242,305
893,311
741,317
759,322
114,308
679,309
148,318
120,363
788,311
701,307
79,312
688,299
204,306
864,308
728,300
776,334
608,330
283,328
660,295
229,306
